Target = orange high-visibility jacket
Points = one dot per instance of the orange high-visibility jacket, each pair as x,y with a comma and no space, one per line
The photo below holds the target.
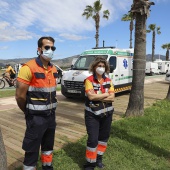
99,107
41,95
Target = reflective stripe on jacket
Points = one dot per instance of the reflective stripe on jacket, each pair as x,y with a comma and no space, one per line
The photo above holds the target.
41,94
98,107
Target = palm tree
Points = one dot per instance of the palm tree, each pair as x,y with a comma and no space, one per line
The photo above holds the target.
167,47
140,11
94,12
154,29
128,17
3,158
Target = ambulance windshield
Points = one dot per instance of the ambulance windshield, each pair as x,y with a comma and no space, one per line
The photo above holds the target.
83,62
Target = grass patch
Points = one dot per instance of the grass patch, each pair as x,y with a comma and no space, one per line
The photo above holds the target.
140,143
7,93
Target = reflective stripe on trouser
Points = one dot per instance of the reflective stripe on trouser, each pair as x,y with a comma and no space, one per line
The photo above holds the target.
101,148
46,158
28,167
98,130
91,154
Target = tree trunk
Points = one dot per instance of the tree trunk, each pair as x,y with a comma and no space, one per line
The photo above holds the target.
136,99
167,55
3,158
97,36
153,45
168,94
131,29
97,21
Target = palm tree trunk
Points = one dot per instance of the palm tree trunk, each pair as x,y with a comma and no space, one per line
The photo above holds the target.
97,21
136,99
131,29
168,94
130,40
3,158
153,45
167,55
97,37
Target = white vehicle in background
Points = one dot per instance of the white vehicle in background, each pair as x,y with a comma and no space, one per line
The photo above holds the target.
60,73
17,67
167,77
164,66
74,60
152,68
120,61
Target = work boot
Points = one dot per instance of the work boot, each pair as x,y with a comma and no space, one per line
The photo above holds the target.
89,166
47,167
99,163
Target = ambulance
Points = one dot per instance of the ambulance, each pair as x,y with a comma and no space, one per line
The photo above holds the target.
120,61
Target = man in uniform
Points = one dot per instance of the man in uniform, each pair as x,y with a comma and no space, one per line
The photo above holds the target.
36,97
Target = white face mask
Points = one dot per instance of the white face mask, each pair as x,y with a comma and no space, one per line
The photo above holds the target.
100,70
47,54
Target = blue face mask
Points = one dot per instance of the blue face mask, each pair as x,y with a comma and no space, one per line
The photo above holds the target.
47,54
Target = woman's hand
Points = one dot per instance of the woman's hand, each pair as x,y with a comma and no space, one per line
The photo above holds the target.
93,96
109,98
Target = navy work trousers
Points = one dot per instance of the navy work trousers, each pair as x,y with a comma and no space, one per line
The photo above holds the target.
98,128
40,131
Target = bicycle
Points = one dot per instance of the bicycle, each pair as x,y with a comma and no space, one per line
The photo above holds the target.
9,81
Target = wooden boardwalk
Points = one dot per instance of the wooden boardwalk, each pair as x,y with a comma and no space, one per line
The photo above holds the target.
70,121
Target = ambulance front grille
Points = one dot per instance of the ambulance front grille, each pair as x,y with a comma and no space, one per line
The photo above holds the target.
77,85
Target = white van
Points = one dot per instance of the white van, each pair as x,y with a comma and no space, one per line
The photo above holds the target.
164,66
17,67
60,73
152,68
120,60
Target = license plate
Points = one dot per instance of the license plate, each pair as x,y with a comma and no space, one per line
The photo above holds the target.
73,91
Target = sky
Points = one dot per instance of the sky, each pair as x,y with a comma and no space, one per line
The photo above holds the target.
23,22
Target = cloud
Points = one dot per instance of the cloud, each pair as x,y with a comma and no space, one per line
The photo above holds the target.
4,7
73,36
4,25
3,47
61,17
10,33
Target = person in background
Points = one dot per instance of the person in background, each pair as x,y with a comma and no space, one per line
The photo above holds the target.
36,97
10,73
99,95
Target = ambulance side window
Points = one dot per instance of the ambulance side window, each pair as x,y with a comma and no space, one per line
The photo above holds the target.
112,63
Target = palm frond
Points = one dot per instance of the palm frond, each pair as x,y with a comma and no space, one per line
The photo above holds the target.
127,17
106,14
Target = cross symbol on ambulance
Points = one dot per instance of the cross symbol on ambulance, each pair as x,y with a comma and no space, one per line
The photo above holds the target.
125,63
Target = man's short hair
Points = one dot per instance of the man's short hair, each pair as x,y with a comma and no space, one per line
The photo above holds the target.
40,43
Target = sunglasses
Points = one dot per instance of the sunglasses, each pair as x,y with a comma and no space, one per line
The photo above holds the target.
47,47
